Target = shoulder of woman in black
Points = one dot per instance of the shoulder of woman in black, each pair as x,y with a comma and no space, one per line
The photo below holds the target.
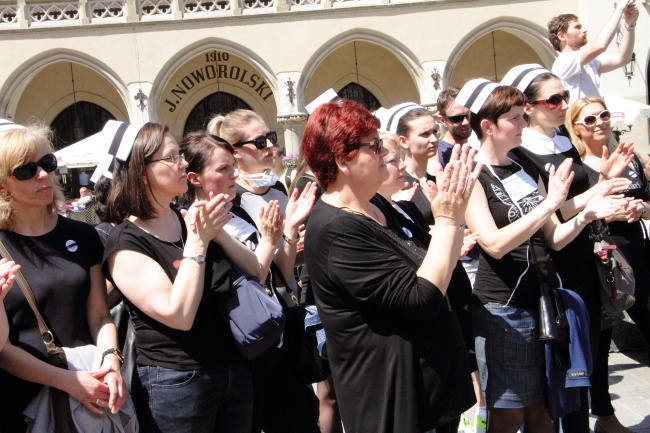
398,222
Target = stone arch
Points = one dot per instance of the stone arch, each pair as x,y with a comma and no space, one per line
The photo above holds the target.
531,34
188,53
404,55
19,80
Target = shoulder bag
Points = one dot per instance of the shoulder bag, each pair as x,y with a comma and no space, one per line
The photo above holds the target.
254,315
63,422
553,323
614,271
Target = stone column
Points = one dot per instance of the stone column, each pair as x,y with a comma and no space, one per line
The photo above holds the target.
294,126
290,110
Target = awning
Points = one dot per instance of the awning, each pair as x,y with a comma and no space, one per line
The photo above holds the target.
84,153
626,110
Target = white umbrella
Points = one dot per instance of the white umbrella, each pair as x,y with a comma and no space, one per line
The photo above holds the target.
84,153
626,110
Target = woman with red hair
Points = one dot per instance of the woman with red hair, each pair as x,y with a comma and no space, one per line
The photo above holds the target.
381,297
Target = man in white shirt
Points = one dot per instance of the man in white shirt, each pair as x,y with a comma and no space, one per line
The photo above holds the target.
581,62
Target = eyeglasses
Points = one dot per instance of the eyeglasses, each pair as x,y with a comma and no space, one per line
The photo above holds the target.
591,119
28,171
174,159
260,142
458,118
376,143
554,101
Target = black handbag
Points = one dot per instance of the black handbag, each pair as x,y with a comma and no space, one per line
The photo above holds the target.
63,422
553,324
614,271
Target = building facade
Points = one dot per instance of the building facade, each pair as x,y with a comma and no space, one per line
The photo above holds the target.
75,64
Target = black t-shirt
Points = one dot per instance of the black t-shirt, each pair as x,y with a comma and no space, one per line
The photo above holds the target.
511,279
57,267
209,341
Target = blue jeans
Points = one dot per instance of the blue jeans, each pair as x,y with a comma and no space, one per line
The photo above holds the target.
215,399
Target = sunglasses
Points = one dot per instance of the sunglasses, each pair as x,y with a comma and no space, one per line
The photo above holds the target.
260,142
554,101
376,143
457,118
591,119
28,171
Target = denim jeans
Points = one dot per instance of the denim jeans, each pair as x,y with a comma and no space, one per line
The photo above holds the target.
214,399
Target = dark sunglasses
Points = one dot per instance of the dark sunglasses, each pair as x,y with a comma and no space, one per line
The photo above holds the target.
591,119
457,118
260,142
554,101
376,143
27,171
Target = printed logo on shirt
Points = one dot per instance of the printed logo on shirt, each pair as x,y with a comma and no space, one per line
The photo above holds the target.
71,246
548,167
633,174
576,374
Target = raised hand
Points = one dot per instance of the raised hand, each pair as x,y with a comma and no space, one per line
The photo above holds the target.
300,206
271,222
406,194
469,240
455,183
559,182
612,166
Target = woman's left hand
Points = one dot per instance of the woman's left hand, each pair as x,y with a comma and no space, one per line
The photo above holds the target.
406,194
300,206
613,165
600,207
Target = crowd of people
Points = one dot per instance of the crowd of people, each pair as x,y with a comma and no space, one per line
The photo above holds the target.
422,254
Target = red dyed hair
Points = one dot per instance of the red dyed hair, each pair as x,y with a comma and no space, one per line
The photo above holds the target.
328,130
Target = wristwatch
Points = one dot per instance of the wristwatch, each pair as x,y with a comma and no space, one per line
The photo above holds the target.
200,259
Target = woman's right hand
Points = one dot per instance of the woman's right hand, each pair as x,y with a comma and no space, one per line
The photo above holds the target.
454,184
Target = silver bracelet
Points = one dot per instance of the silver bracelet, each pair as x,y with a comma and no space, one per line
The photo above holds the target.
628,27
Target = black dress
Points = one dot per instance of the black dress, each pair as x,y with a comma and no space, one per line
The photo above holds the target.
391,336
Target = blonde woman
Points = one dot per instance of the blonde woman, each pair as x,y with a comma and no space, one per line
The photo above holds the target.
61,260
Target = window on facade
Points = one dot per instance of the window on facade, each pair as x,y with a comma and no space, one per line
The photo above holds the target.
217,103
77,122
360,94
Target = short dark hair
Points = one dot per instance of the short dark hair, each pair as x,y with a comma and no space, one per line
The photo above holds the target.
198,147
445,98
328,130
128,194
500,101
557,25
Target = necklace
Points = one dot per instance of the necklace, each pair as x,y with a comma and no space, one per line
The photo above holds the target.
348,208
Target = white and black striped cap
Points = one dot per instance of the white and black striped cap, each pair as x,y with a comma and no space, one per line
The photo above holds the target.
521,76
474,93
390,117
120,137
6,125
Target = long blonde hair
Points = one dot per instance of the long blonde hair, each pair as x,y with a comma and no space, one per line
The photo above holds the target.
572,118
17,146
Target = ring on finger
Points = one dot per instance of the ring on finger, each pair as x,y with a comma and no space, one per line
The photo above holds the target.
98,402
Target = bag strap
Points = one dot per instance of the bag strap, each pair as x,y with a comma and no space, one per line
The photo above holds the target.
46,334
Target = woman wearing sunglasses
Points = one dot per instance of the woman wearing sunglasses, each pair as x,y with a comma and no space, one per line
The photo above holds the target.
546,107
61,260
588,122
253,143
381,297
